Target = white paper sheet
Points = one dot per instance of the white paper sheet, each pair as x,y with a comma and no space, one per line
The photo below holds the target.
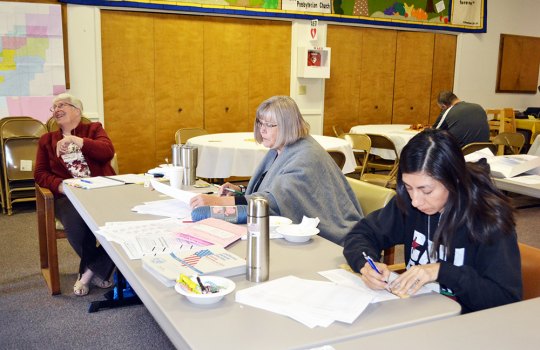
184,196
172,208
346,278
313,303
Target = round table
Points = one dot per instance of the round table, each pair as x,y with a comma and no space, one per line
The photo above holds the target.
400,134
238,154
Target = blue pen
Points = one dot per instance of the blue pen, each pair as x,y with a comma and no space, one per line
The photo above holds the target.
371,263
86,181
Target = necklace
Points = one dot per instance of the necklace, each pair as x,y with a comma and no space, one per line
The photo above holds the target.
428,235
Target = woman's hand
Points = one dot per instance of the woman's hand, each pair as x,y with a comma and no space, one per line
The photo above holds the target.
414,278
63,145
206,199
223,192
372,278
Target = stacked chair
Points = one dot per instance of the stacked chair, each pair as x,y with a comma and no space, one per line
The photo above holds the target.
19,137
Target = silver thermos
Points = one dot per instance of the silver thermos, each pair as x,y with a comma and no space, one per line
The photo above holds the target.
258,240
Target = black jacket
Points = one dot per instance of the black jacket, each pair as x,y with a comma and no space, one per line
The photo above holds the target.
479,275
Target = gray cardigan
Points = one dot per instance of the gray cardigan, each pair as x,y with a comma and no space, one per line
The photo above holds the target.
304,180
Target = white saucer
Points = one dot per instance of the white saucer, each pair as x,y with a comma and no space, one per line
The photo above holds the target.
297,233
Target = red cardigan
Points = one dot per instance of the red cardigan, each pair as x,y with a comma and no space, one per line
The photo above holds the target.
98,151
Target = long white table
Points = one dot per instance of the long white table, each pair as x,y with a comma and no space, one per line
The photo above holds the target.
238,154
229,325
512,326
400,134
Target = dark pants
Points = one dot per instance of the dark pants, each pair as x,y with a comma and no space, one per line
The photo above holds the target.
83,240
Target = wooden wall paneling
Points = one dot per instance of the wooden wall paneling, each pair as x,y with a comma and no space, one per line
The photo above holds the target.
226,56
377,76
444,60
128,87
519,60
179,78
342,90
414,66
269,63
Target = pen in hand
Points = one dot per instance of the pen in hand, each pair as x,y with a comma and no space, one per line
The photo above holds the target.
236,193
372,264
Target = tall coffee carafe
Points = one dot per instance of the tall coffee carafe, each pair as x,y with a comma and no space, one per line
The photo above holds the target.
258,240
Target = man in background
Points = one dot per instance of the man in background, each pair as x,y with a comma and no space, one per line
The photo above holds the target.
467,122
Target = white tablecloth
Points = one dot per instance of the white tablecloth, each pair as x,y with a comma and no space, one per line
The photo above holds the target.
400,134
238,154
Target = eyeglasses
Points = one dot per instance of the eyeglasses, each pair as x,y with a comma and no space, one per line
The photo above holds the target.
61,106
260,124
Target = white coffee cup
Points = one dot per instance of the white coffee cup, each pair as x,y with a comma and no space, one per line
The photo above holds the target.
176,173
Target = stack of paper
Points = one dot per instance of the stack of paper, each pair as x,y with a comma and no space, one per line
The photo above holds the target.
150,237
313,303
210,260
212,231
507,165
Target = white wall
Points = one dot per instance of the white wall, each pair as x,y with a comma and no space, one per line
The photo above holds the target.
475,74
477,55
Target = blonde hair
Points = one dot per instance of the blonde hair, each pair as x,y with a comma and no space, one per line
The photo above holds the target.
286,114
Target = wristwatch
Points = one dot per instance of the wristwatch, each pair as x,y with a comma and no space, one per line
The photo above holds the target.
242,188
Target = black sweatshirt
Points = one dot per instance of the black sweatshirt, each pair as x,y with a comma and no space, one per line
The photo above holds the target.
479,275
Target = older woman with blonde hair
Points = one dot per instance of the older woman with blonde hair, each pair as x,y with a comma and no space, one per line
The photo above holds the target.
297,176
76,150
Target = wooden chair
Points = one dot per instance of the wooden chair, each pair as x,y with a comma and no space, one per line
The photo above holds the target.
338,157
530,271
182,135
501,120
476,146
371,198
511,142
361,145
48,233
377,163
338,130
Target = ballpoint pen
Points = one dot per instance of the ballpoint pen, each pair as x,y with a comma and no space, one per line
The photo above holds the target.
371,263
86,181
236,193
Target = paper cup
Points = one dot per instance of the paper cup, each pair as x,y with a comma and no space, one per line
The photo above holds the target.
176,174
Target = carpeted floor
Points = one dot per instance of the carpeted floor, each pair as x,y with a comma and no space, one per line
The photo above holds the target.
32,319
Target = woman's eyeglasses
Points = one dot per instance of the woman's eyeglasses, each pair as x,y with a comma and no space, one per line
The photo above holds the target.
260,124
61,106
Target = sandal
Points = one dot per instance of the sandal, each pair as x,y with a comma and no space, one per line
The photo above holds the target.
80,289
98,282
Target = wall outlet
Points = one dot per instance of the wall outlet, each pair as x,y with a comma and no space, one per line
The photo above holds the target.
302,89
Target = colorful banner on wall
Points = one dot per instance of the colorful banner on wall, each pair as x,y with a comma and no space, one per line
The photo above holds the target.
31,58
445,15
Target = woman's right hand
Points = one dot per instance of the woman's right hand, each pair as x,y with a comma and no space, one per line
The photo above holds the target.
372,278
223,192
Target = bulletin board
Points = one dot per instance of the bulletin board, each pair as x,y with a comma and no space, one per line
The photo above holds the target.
467,16
519,63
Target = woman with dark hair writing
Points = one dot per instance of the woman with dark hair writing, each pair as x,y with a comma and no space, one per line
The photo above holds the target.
456,226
